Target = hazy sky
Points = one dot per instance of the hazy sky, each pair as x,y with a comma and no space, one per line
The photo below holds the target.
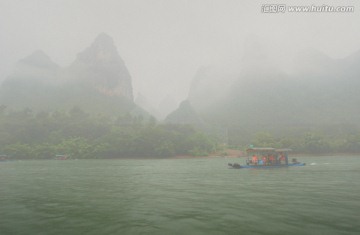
164,42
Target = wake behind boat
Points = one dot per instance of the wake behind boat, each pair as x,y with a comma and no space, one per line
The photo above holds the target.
267,158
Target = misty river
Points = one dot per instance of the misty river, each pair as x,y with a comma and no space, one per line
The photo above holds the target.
179,196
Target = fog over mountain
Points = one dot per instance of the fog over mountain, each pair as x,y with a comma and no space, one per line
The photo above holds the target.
185,114
235,64
165,42
97,81
320,93
144,103
37,67
101,65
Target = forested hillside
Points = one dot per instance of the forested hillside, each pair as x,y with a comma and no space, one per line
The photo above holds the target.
29,135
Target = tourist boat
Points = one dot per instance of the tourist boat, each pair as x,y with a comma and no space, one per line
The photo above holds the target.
267,158
62,157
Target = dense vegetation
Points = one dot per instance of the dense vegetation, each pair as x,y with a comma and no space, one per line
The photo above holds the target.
29,135
25,135
313,142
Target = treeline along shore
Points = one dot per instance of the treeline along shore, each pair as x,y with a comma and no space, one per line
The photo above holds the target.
43,135
77,134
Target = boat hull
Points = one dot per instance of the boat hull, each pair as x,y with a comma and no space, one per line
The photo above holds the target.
267,167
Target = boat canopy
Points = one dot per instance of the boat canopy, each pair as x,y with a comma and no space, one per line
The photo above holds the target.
267,150
283,150
260,150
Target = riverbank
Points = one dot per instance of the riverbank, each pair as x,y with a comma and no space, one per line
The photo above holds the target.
235,153
228,153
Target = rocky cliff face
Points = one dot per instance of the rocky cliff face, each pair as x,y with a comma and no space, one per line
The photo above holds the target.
101,65
97,81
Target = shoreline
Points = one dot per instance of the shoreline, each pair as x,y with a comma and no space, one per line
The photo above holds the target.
230,155
240,154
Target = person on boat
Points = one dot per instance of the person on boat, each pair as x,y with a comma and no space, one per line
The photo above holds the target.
264,160
254,159
282,158
272,160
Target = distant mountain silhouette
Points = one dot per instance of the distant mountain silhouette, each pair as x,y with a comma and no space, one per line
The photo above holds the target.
101,65
320,93
185,114
97,81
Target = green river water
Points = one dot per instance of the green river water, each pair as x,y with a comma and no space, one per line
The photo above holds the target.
179,196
